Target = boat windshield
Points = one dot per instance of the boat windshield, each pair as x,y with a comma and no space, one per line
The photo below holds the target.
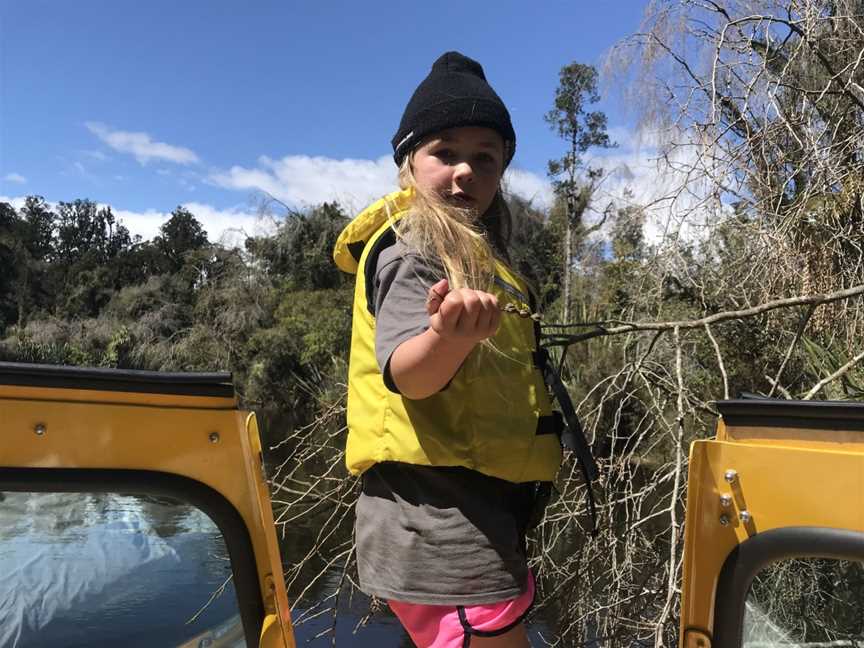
806,603
85,569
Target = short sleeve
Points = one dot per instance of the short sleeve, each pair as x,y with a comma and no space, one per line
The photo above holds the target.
402,282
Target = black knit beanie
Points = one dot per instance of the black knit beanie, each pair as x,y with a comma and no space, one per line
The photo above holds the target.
454,94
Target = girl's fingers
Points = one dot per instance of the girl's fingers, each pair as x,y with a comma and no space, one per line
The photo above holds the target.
435,297
452,313
470,312
447,309
487,322
463,313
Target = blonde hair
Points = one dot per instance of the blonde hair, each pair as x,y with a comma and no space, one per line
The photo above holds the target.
465,244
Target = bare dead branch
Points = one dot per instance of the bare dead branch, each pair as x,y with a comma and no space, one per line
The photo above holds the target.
842,371
719,360
628,327
808,313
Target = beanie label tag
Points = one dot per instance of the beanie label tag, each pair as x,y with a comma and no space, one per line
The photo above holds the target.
404,140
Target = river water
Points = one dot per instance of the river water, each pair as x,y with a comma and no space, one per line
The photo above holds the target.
93,569
82,570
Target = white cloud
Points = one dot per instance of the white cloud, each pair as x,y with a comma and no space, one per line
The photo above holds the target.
145,224
227,226
230,227
675,203
530,186
17,178
301,181
141,145
17,202
634,176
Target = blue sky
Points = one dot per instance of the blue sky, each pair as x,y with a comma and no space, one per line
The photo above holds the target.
148,105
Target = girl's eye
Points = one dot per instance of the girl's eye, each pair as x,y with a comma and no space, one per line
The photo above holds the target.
486,161
444,154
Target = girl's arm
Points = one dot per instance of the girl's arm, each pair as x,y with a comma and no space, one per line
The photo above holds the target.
459,319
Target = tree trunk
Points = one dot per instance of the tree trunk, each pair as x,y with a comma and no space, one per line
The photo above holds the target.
568,256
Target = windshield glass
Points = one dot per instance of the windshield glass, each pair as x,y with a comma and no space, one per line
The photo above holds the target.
85,569
806,602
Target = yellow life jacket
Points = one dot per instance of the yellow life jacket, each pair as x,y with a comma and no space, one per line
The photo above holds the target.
494,416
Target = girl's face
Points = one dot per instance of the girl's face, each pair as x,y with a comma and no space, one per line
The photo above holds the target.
463,165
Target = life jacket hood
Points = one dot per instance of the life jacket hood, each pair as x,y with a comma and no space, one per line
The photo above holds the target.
353,239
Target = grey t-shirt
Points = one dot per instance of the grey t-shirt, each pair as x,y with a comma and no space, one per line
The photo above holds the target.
402,282
433,535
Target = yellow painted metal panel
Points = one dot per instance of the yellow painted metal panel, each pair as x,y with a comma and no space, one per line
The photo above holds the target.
791,437
273,635
778,486
218,447
277,584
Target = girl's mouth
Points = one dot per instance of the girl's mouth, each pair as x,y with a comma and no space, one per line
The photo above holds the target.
461,199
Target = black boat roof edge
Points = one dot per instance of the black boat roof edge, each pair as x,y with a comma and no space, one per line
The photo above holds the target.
216,384
776,407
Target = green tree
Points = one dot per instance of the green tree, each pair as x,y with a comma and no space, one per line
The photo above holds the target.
88,232
135,265
88,240
178,236
620,272
582,130
37,227
10,244
535,250
39,224
26,240
301,251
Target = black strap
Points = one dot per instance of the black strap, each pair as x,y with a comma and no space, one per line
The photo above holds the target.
549,424
468,630
384,241
356,249
572,436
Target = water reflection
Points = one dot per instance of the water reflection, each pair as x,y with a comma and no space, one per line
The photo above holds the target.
85,569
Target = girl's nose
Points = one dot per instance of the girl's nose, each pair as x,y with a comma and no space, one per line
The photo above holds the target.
463,172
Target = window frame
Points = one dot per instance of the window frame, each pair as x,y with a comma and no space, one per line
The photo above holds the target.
754,554
188,491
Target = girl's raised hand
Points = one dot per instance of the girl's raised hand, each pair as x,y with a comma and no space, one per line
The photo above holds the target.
464,313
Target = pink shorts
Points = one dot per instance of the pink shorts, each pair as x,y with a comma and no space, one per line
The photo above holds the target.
448,626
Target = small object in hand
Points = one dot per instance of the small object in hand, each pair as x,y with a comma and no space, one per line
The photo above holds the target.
524,311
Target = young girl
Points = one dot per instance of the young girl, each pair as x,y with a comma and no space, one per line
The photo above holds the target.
449,421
